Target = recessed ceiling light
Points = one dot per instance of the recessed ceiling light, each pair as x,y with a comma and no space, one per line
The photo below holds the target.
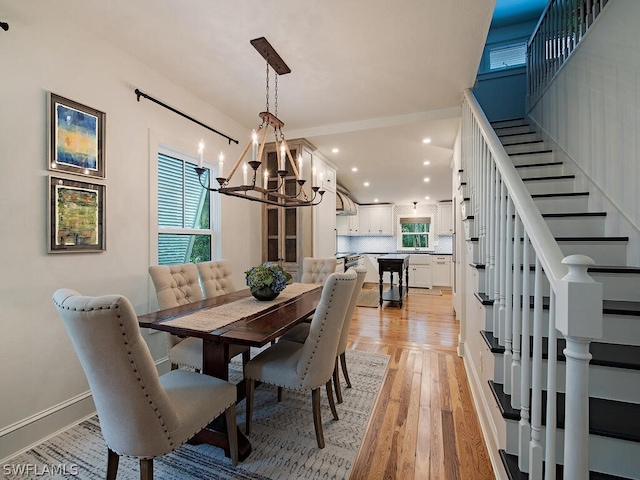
426,179
426,162
426,140
335,150
366,184
354,169
376,200
426,198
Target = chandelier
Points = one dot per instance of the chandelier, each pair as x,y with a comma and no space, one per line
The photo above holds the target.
251,189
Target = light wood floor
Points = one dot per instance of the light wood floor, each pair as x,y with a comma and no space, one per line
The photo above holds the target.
424,424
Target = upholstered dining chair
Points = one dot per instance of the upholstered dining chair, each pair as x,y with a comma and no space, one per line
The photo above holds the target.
141,414
215,277
309,365
178,285
316,270
300,332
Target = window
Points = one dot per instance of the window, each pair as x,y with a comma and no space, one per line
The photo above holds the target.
185,229
415,233
508,56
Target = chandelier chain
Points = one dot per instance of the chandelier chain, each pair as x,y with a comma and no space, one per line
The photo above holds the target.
276,96
267,83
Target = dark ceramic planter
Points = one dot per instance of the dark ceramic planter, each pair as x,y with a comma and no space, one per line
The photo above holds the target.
265,293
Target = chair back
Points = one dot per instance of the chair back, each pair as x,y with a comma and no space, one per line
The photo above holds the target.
318,355
317,270
215,277
136,415
176,284
361,272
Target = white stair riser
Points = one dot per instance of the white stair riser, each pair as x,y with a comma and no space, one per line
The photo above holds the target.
510,130
573,204
604,382
523,137
509,123
576,226
532,158
561,185
603,253
540,171
526,147
611,455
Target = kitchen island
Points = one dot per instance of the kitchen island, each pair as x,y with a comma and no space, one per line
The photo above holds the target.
394,263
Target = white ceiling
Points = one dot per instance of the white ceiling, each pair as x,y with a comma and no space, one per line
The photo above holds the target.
371,77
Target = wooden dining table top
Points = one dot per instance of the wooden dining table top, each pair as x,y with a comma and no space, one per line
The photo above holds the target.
255,330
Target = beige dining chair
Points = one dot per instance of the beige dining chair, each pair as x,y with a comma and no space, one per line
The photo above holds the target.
317,270
300,332
141,414
215,277
178,285
309,365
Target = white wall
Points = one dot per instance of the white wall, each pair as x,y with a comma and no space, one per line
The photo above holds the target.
43,387
592,111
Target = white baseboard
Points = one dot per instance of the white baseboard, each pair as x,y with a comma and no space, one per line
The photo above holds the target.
487,426
35,429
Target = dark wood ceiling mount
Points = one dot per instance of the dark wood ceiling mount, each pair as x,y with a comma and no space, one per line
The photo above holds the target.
265,49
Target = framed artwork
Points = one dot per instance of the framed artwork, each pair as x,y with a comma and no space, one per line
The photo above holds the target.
76,212
76,138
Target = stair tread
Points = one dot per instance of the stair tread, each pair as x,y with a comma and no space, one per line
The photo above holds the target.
550,177
543,164
510,463
608,418
563,194
528,152
612,355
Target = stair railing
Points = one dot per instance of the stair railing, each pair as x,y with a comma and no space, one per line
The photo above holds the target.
509,227
561,27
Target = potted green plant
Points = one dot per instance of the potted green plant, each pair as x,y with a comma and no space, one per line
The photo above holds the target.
266,280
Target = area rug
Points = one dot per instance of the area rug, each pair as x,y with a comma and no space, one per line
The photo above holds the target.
283,439
368,298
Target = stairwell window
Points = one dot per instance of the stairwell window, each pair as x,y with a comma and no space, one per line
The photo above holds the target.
507,56
415,233
185,231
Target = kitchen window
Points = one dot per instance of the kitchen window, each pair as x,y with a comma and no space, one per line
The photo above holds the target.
185,231
415,233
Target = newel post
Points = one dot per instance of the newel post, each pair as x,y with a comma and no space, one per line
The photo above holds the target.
579,318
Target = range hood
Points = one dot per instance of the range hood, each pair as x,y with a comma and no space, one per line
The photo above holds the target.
344,205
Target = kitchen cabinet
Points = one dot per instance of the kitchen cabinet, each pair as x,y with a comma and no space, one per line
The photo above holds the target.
441,270
371,262
323,216
347,224
445,218
420,274
375,220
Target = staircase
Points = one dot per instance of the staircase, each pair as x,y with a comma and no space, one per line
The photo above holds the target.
614,369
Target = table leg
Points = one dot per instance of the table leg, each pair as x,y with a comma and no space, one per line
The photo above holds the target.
400,286
215,362
381,286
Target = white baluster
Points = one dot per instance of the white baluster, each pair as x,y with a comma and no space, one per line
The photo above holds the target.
508,298
524,429
552,404
517,318
535,445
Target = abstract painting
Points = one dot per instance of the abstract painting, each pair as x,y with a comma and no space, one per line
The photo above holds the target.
76,140
76,216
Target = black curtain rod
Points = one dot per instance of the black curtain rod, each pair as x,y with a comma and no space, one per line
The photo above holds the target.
155,100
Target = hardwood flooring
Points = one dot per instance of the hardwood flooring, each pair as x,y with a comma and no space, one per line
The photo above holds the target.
424,424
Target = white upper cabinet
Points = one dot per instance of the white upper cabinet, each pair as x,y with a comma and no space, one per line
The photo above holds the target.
445,219
375,220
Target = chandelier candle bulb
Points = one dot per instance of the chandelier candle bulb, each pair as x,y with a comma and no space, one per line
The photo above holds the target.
321,180
315,183
283,157
201,153
221,165
254,146
244,174
299,167
266,178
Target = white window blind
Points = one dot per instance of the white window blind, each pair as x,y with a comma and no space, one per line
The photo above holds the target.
510,56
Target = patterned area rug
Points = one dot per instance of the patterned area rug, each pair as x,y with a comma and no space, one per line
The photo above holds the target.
283,439
368,298
425,291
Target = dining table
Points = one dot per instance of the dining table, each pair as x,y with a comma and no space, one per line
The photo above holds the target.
235,318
